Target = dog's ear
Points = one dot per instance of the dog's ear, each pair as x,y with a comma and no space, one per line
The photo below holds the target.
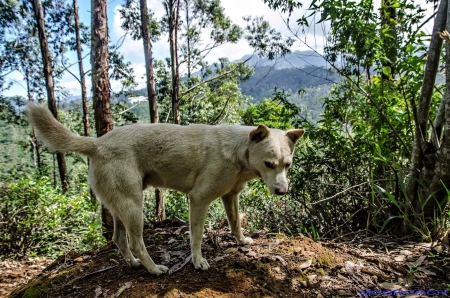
259,134
295,134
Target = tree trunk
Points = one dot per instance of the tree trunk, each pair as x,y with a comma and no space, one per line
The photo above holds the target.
424,158
390,44
151,93
173,13
84,100
34,141
100,86
48,74
437,164
86,125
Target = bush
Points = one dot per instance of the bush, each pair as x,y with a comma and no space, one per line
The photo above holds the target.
37,220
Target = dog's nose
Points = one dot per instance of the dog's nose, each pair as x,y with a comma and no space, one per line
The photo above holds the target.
280,191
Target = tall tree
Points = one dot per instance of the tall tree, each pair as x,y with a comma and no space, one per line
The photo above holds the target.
430,162
87,127
173,14
50,85
139,22
100,85
151,93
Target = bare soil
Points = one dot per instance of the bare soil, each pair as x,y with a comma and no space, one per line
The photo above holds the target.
276,265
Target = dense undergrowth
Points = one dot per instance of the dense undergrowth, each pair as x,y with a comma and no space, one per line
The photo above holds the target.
37,219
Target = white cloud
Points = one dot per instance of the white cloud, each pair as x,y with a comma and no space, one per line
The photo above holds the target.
133,49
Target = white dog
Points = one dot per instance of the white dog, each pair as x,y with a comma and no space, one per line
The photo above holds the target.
205,162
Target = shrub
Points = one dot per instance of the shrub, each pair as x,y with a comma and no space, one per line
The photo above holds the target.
36,219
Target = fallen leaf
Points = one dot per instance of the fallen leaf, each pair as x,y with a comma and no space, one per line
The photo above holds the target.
426,271
312,277
127,285
244,249
281,260
405,252
79,259
178,266
419,261
438,249
305,264
219,258
251,254
98,291
178,231
350,267
400,258
171,240
231,250
390,286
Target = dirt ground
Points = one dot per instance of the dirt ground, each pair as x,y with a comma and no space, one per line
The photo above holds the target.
276,265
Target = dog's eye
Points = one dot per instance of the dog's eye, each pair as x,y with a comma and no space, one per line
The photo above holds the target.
288,165
269,165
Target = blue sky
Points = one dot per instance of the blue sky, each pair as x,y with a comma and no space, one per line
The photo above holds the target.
133,50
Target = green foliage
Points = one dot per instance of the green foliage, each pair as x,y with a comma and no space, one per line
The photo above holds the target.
268,112
131,14
212,99
37,219
265,40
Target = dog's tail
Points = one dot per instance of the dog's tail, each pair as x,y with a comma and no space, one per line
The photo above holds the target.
55,135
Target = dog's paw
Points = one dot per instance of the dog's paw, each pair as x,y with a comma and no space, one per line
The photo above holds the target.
158,269
200,263
246,241
134,262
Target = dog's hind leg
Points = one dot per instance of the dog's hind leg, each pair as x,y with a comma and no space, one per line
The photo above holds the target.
126,206
132,218
231,204
120,239
197,216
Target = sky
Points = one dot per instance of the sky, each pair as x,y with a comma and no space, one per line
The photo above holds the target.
133,49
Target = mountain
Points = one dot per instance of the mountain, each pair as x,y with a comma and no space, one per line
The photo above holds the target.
296,59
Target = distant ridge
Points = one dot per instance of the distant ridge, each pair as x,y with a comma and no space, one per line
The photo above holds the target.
296,59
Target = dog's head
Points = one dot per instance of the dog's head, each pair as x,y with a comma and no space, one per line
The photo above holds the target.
270,155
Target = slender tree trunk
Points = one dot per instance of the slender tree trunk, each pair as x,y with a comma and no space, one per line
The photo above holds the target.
87,127
423,159
84,100
100,86
151,93
437,165
173,13
390,45
188,39
48,73
34,141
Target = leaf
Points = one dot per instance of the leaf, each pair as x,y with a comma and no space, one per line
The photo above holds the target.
178,266
405,252
426,271
231,250
350,267
400,258
127,285
390,286
98,291
305,264
419,261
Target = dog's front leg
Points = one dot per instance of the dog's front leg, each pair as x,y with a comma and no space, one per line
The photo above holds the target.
231,204
197,216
